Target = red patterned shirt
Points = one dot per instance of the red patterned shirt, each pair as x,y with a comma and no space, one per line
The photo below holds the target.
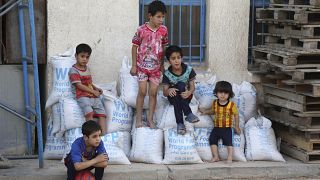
84,77
150,46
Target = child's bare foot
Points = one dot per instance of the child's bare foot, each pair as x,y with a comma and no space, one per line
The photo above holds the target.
139,125
214,160
151,125
229,161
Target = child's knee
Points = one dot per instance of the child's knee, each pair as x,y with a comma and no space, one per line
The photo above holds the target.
153,93
89,116
181,86
142,92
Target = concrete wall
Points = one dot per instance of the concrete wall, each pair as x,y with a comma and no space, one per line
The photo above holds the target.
13,129
108,26
227,39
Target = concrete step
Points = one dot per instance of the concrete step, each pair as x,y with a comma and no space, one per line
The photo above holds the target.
292,169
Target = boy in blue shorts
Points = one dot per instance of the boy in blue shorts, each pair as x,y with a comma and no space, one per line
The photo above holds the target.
87,152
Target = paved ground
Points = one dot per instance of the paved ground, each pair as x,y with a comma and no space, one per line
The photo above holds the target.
292,169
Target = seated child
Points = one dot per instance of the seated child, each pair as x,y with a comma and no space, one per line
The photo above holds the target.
225,112
87,94
179,86
87,152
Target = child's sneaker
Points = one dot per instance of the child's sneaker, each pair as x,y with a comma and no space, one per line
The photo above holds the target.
191,118
181,129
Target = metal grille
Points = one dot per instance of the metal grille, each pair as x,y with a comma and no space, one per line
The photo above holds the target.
185,20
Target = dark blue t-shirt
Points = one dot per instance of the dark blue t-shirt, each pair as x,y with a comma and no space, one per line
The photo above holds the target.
187,75
78,150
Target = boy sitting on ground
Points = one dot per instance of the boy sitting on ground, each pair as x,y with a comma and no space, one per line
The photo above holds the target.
87,152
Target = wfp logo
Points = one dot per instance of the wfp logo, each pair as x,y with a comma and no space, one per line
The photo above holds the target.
62,73
119,105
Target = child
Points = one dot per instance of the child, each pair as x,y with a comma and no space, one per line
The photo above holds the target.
225,112
147,53
87,152
179,86
87,94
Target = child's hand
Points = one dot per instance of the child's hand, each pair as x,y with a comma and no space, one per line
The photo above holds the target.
185,94
100,90
238,130
133,71
84,159
96,93
102,158
162,69
172,92
202,111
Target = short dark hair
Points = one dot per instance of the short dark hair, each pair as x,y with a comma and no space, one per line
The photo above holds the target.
223,86
83,48
172,49
90,127
157,6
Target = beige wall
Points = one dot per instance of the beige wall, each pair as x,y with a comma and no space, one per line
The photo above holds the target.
108,26
227,39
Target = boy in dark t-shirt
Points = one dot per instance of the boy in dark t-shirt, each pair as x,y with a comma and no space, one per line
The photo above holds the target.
179,86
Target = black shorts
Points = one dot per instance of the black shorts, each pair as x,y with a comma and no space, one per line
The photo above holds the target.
221,133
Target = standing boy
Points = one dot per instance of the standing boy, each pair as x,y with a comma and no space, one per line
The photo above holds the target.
147,58
225,113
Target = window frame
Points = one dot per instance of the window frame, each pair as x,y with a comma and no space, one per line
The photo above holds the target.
188,57
252,40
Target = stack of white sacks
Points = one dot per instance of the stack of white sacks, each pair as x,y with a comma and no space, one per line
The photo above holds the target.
163,145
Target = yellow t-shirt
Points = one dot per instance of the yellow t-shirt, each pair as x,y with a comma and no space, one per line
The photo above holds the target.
223,114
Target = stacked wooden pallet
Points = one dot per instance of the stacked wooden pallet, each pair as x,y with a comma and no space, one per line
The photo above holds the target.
290,59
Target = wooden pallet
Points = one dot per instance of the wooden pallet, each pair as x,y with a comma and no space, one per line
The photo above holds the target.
307,134
267,65
286,56
310,125
312,3
288,92
303,76
277,101
287,15
293,151
297,77
257,68
309,89
290,41
303,31
296,137
288,6
291,100
306,74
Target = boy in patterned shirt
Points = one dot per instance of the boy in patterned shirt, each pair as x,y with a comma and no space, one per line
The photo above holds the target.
225,112
87,94
147,54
